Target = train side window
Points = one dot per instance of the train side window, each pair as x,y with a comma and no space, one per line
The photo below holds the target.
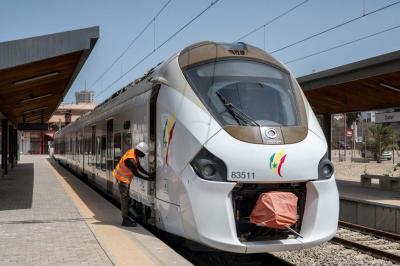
87,144
93,141
76,146
117,148
82,145
103,153
109,137
98,153
126,142
70,146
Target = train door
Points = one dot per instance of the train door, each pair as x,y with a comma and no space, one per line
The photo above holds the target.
152,163
109,156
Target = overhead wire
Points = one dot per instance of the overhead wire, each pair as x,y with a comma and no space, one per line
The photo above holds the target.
161,45
341,45
334,27
272,20
152,21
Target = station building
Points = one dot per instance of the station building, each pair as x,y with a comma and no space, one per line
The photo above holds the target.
38,142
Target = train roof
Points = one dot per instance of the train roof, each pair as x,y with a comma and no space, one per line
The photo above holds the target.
212,51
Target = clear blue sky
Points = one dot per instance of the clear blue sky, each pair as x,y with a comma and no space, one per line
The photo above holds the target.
121,21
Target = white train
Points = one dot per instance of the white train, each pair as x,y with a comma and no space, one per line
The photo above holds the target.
224,122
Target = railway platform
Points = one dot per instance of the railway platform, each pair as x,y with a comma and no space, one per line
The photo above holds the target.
369,206
50,217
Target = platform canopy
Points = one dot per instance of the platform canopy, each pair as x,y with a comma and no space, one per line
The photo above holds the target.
36,73
369,84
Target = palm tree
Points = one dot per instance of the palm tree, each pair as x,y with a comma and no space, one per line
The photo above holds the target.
380,137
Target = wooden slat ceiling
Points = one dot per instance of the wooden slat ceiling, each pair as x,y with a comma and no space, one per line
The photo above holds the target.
52,77
359,95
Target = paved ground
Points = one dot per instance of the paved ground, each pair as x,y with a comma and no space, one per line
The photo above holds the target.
39,224
351,171
49,217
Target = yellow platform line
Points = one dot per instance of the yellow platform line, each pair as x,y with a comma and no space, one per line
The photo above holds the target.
120,246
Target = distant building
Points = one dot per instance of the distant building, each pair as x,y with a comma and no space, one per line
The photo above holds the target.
84,96
37,142
67,113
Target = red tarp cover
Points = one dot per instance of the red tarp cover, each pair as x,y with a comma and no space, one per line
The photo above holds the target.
275,209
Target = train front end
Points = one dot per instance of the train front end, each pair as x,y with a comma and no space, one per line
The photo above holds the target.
259,135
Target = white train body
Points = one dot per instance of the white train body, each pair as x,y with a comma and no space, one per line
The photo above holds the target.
212,162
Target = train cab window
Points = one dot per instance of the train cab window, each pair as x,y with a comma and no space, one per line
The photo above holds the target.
117,148
98,153
103,153
245,92
126,142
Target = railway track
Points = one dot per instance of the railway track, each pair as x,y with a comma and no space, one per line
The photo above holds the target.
382,245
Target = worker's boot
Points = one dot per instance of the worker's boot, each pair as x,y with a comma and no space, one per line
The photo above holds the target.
128,222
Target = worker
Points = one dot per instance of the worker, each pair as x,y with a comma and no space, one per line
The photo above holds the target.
128,167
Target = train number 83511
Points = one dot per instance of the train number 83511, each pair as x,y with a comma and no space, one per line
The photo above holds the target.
242,175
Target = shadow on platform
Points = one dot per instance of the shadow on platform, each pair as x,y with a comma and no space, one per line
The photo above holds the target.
16,188
103,211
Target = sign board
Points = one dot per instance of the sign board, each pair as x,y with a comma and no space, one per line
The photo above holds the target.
349,132
387,117
33,126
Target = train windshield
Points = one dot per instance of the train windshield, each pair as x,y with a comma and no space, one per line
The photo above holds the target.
244,92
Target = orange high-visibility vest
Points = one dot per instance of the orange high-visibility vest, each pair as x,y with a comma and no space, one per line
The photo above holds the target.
121,171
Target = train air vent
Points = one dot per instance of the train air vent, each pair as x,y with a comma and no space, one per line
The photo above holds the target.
236,48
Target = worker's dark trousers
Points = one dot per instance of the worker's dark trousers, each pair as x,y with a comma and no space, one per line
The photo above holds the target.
124,192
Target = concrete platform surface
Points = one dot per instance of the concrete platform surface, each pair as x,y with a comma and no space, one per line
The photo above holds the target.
352,190
369,206
49,217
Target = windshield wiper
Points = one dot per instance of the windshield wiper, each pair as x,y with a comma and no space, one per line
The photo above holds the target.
237,114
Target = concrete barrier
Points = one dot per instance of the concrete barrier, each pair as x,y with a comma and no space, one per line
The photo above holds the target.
371,214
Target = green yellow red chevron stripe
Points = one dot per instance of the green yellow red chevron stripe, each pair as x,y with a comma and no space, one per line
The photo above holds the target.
276,161
167,135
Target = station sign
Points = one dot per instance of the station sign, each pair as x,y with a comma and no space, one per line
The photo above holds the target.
387,117
33,126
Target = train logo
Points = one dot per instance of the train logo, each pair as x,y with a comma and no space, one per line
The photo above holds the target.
271,133
168,132
276,162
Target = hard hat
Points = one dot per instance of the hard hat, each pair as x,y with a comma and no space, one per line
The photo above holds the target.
143,147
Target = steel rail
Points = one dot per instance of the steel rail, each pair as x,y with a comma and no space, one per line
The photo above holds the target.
381,254
378,233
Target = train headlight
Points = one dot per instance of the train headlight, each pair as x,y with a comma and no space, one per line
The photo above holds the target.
208,166
325,168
